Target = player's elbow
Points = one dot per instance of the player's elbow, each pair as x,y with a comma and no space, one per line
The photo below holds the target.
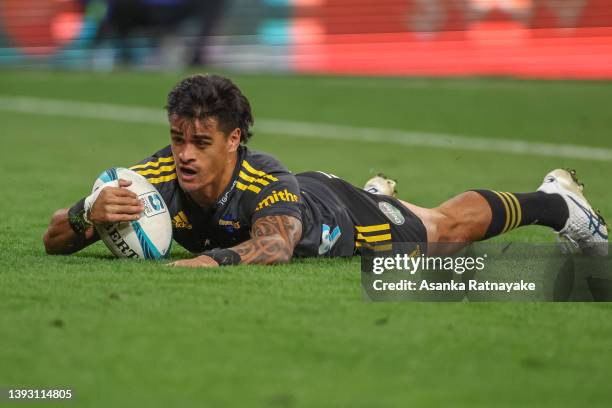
286,256
47,243
285,251
51,245
52,236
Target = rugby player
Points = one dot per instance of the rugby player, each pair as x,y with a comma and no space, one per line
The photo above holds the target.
231,205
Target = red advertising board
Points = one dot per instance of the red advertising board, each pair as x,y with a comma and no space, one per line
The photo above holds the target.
40,27
545,38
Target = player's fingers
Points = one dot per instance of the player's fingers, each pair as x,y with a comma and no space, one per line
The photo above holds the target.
124,183
124,201
123,209
121,192
123,217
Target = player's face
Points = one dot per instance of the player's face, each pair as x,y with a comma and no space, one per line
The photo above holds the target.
202,152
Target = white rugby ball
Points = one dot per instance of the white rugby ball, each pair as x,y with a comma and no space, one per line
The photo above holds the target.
148,238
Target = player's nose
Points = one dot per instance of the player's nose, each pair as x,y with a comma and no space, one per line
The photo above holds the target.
187,153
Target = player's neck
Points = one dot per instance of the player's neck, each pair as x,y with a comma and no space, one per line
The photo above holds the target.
210,194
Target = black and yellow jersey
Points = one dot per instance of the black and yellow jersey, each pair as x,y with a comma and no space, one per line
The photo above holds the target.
337,218
260,186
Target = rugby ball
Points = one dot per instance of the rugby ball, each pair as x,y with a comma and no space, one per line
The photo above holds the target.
150,237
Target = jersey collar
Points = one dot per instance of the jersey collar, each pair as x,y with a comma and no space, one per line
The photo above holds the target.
225,196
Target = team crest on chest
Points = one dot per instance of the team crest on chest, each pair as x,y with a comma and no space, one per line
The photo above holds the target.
229,223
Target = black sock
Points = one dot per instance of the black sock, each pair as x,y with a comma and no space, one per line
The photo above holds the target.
512,210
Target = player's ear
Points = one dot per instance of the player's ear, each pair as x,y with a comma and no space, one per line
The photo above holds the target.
233,140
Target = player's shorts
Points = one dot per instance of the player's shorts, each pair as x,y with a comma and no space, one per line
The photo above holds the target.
367,221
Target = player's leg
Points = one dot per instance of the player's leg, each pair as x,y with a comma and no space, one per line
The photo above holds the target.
481,214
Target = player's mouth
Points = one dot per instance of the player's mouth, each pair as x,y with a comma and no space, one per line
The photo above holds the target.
187,173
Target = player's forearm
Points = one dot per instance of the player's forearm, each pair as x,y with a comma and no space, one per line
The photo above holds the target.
264,250
273,240
61,239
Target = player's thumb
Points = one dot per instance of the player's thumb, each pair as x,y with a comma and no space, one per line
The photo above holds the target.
124,183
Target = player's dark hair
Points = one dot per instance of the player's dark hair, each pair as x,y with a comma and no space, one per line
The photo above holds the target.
201,96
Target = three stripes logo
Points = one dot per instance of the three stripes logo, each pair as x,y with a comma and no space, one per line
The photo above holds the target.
252,179
377,237
159,170
180,221
513,210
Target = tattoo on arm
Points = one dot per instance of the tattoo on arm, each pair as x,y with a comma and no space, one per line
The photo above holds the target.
273,239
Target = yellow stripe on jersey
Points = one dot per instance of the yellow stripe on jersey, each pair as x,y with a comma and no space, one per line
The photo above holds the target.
372,228
384,247
162,179
250,179
375,238
156,171
256,172
155,163
251,187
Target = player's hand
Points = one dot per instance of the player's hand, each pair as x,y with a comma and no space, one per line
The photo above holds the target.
115,204
202,261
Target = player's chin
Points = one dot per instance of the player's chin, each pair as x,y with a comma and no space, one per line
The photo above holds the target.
189,185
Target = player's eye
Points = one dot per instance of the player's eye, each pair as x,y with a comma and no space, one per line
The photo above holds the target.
202,143
176,139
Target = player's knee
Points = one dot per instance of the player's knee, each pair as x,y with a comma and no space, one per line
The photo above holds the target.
449,228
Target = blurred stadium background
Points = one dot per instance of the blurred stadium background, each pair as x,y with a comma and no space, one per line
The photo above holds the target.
74,100
527,38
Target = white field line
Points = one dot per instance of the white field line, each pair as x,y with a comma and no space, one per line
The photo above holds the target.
124,113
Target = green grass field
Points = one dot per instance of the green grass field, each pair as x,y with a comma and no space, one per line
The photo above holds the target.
141,334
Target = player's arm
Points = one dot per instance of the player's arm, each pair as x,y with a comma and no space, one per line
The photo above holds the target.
71,230
273,239
61,239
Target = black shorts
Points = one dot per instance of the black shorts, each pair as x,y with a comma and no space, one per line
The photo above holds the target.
367,221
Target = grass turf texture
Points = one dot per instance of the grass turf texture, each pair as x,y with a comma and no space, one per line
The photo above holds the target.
120,332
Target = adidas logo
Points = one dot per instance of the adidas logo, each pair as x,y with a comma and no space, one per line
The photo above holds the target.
180,221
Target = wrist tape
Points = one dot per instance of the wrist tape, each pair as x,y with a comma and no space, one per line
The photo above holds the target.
78,214
224,257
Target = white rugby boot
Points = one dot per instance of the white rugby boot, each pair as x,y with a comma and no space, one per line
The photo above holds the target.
381,184
585,229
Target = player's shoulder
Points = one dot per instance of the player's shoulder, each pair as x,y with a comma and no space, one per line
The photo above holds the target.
159,168
257,171
256,163
265,186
